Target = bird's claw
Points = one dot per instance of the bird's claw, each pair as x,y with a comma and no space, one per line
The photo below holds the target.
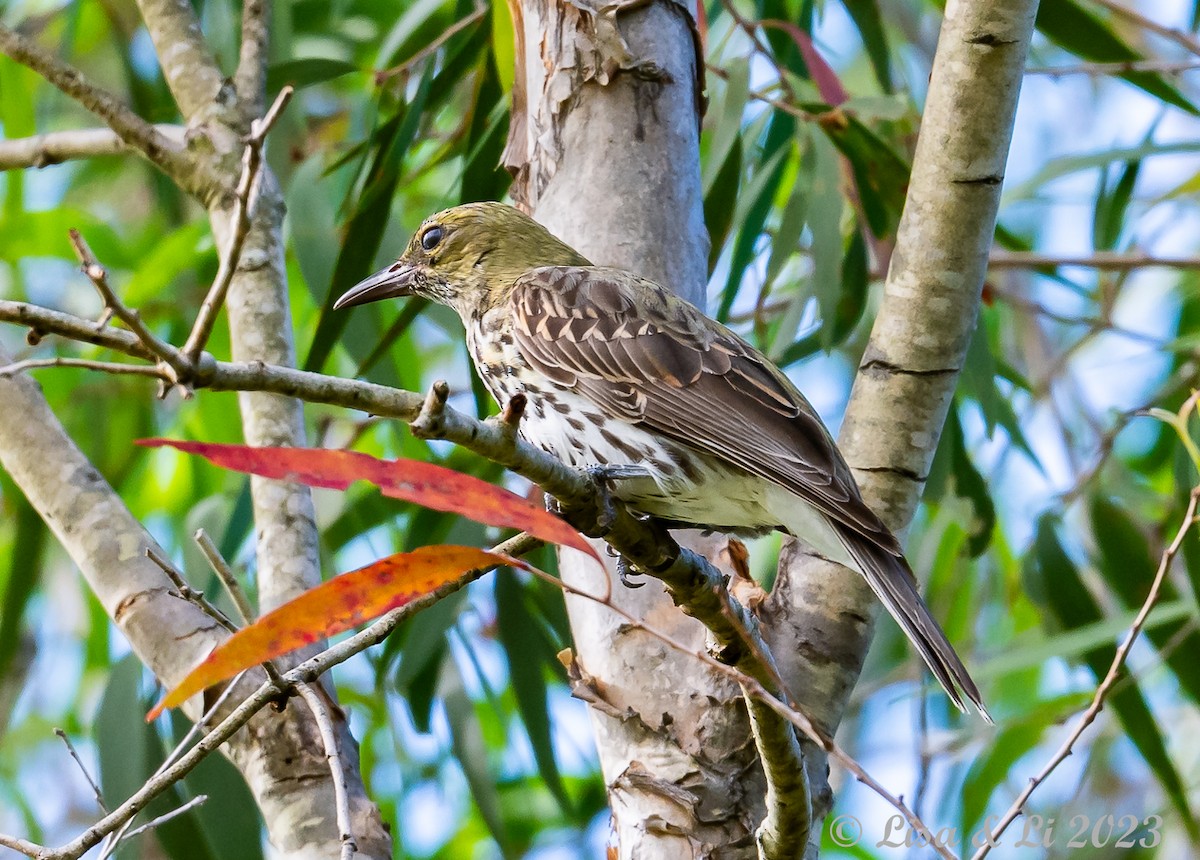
609,475
625,570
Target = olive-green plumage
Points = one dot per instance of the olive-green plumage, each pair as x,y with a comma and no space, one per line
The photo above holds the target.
700,428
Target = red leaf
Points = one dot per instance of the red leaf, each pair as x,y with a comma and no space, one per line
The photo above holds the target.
411,480
829,85
339,604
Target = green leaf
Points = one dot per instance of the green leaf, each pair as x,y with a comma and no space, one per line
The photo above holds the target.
306,72
852,303
759,197
720,202
483,178
869,21
880,174
786,240
953,471
504,52
1014,740
1071,26
1066,165
364,232
467,743
727,130
422,654
825,223
1109,215
524,646
24,569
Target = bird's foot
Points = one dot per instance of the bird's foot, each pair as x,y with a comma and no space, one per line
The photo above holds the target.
611,474
625,572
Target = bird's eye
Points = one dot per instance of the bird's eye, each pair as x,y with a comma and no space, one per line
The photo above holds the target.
431,237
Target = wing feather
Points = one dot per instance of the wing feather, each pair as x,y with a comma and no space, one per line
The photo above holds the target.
608,332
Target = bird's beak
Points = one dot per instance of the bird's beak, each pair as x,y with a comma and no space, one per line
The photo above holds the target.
392,282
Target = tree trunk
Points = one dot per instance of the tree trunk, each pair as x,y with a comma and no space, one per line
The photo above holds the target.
606,155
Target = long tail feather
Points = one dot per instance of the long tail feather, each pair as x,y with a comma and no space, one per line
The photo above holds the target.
892,581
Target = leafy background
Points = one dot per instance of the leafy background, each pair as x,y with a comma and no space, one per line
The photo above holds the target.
1048,506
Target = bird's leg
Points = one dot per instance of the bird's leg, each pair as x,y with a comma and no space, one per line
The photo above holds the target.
607,476
625,571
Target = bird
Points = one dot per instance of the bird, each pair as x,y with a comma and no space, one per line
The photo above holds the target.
695,426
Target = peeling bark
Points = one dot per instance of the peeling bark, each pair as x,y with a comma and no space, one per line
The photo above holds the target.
607,97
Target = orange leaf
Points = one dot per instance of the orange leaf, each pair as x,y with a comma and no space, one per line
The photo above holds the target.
411,480
331,607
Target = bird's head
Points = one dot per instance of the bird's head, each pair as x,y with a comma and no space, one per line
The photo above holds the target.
468,257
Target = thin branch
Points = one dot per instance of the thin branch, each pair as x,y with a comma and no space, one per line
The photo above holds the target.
234,589
164,818
250,79
75,755
1102,691
1179,37
693,582
55,147
334,754
131,128
96,273
102,366
43,321
225,573
1097,69
240,220
307,672
432,47
24,846
1097,260
765,98
188,593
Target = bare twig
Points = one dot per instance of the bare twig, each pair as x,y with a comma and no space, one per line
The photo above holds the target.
225,573
1102,691
75,755
101,366
1160,66
234,589
165,817
432,48
1095,260
333,753
1179,37
765,98
42,321
129,127
24,846
243,204
56,147
188,593
167,354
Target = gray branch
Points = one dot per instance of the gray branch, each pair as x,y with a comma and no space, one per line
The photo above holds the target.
56,147
138,134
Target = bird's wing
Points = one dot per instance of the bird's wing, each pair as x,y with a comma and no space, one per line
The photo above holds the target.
644,355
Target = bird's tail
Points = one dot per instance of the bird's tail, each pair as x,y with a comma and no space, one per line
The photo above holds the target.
893,582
